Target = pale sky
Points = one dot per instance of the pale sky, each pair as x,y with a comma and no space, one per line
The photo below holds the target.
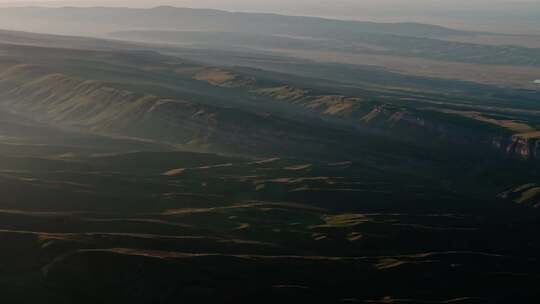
519,16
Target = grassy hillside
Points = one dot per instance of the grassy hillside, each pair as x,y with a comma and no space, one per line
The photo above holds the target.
139,175
198,106
91,218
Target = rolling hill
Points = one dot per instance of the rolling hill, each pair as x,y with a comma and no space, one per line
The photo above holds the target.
137,173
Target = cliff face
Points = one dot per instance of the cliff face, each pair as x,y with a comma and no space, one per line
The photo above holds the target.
430,124
89,105
326,104
391,117
101,108
517,146
423,126
419,125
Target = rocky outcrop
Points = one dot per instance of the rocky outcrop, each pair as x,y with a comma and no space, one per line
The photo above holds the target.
518,146
326,104
392,116
358,111
102,108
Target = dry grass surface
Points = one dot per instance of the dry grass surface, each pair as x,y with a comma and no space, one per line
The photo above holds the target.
512,125
529,194
512,76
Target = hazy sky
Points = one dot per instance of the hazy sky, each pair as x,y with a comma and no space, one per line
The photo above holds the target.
505,15
272,4
344,7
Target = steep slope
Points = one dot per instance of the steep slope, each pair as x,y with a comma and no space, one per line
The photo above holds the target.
98,107
101,107
87,220
513,137
154,96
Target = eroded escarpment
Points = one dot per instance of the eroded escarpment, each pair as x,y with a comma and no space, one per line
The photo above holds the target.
513,137
102,108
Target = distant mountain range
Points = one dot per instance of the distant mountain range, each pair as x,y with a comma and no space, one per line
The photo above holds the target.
502,16
222,29
101,20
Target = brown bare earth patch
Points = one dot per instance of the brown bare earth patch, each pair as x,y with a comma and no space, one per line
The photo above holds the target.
214,76
174,172
178,171
529,194
389,263
291,180
283,92
512,125
299,167
343,220
334,104
247,205
264,161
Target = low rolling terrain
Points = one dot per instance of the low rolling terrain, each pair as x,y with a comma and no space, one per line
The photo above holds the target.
91,218
156,174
